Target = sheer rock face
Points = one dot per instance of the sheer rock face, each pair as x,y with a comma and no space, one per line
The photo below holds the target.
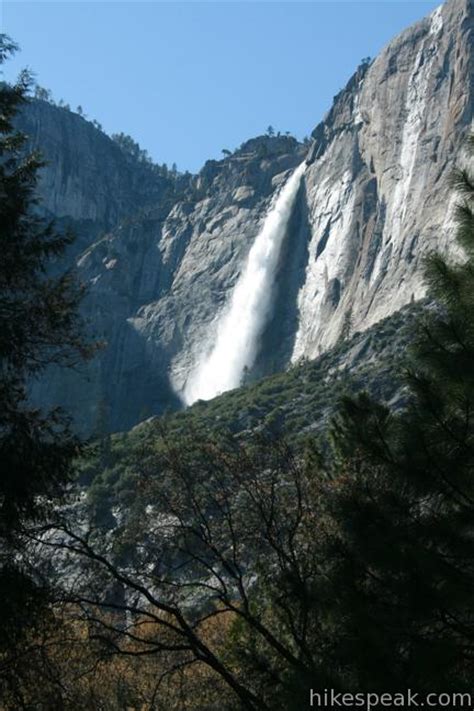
374,200
378,191
87,177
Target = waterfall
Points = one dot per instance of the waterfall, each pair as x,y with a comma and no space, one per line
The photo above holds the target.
242,321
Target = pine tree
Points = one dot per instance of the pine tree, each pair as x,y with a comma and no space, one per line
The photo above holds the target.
398,546
39,326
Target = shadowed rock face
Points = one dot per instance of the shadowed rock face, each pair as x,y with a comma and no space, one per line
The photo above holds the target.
160,262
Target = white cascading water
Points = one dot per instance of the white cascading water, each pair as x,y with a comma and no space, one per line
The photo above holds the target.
241,323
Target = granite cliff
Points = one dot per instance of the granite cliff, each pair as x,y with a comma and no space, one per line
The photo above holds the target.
160,256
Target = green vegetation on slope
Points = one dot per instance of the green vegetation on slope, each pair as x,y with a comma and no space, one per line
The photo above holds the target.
298,403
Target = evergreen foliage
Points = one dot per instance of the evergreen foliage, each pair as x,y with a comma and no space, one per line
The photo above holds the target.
39,327
401,552
39,324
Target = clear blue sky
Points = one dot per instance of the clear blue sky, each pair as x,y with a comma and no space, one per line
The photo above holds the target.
188,79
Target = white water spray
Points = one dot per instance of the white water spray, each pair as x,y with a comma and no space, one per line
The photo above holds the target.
242,321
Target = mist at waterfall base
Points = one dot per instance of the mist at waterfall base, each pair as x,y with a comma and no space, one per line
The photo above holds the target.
242,321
